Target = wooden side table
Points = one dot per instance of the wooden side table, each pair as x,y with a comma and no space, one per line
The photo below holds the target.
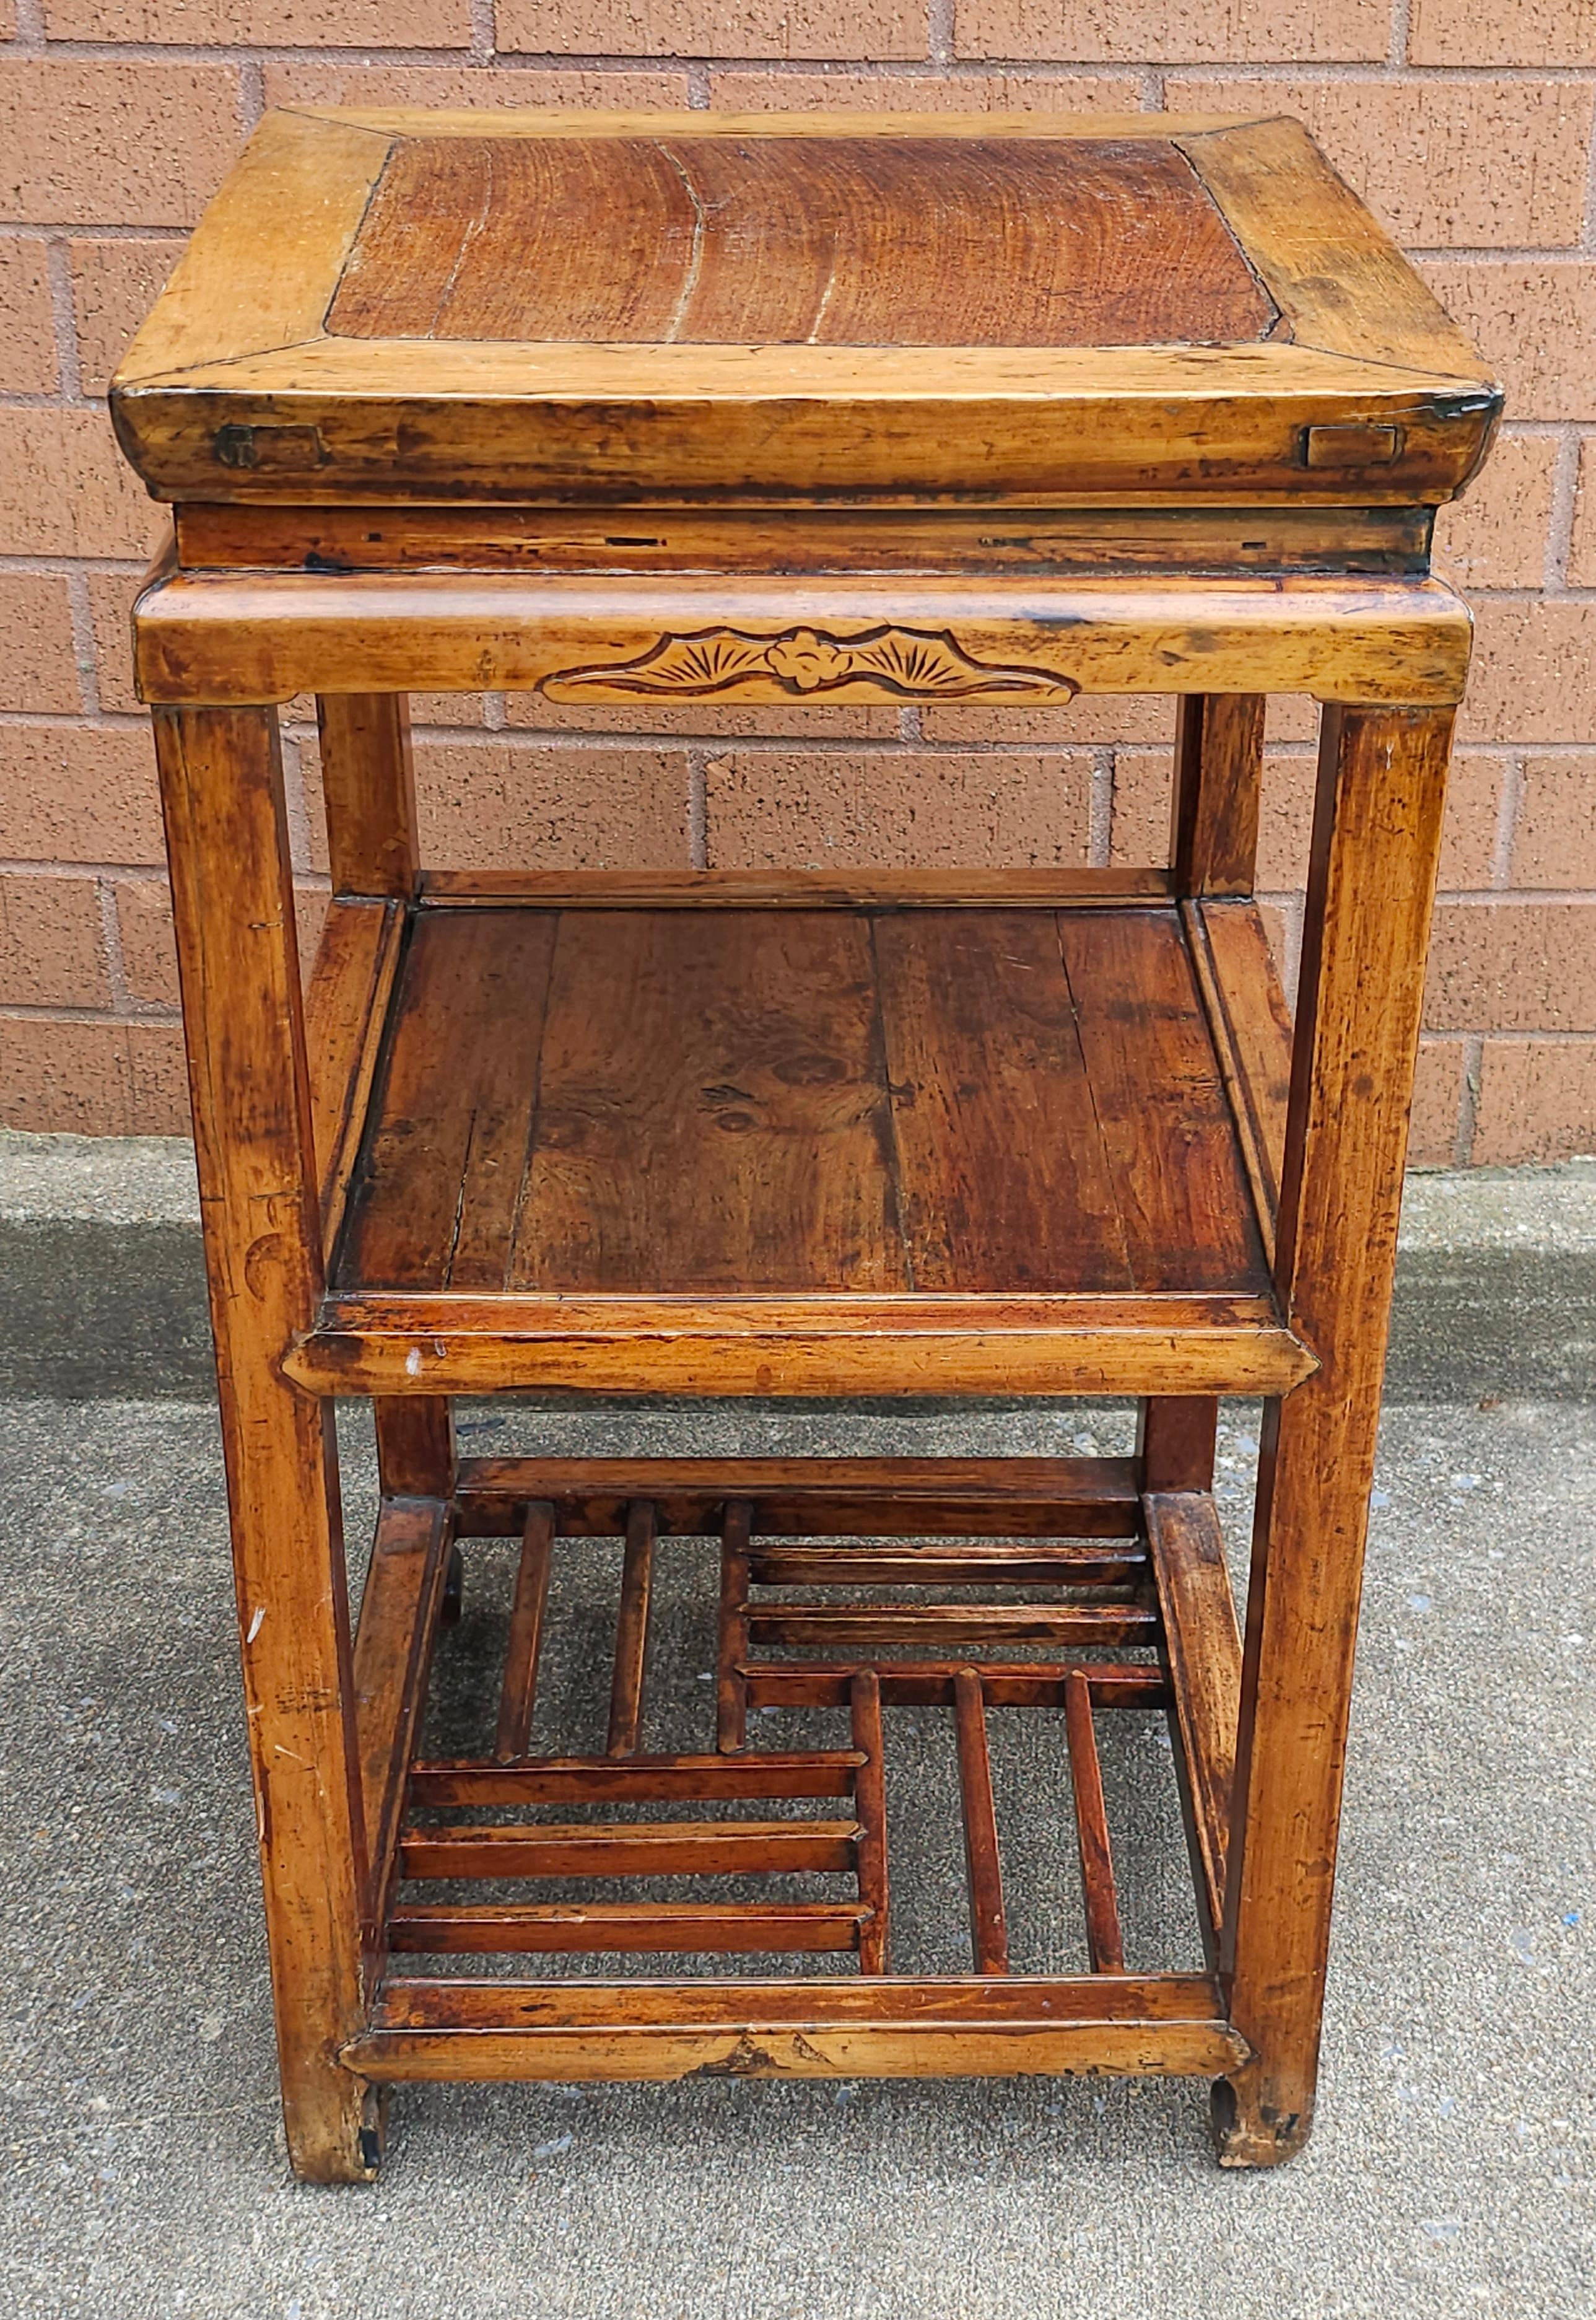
632,410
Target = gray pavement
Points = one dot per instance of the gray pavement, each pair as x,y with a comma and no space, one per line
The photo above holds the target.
1451,2171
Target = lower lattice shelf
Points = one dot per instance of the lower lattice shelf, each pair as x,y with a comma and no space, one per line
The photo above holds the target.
1121,1598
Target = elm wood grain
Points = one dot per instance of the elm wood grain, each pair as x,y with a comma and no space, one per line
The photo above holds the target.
742,1928
929,1683
988,1930
232,896
398,1617
1252,1035
846,241
794,1101
458,2028
1219,765
518,1689
820,1626
710,1112
1201,1647
258,637
1341,284
1377,835
368,786
869,1802
793,1498
952,1566
446,1136
636,1780
984,1061
631,1630
1024,544
792,890
347,1002
731,1696
457,1344
660,1848
1157,1100
1105,1945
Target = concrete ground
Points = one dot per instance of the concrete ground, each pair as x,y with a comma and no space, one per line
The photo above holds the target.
1451,2170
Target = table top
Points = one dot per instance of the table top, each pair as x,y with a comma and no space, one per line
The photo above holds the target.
408,304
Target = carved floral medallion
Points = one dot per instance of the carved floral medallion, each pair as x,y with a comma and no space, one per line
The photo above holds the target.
906,664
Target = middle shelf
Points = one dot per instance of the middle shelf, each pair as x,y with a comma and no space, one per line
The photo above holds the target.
727,1133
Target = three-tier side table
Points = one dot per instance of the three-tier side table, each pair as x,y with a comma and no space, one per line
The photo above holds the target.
665,409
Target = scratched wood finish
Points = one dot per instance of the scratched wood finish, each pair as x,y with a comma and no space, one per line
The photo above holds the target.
801,1101
226,828
1372,870
841,241
766,287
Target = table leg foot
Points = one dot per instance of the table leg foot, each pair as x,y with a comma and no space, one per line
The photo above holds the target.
1248,2130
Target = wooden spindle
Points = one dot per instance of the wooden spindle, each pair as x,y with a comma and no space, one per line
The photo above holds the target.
1104,1942
988,1929
520,1687
731,1686
870,1805
631,1629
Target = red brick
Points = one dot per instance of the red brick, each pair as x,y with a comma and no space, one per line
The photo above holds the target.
114,143
1194,31
498,804
114,284
1495,536
1533,677
1582,556
38,670
1537,1102
67,1077
110,604
65,489
28,363
870,32
52,953
1012,92
1097,718
1554,844
1535,322
1513,966
1413,150
78,793
287,24
1468,839
476,87
1438,1104
711,720
149,955
1477,32
962,810
1138,830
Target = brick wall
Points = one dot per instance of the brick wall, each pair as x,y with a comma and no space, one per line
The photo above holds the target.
1467,126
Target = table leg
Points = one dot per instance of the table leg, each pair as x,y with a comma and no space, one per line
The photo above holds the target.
368,788
1219,762
1377,835
221,785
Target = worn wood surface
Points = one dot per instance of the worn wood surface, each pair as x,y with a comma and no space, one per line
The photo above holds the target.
777,240
953,2027
1202,1648
1219,763
988,1930
1025,543
798,1102
253,637
815,1497
766,289
227,834
1377,835
518,1689
631,1632
393,1645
